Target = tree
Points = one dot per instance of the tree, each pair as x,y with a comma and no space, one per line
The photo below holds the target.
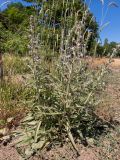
14,24
100,50
118,49
109,47
16,16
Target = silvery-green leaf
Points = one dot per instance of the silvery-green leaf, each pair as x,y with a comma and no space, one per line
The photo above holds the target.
28,118
37,130
38,145
29,152
32,123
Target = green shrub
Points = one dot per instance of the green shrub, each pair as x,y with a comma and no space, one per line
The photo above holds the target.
65,97
16,44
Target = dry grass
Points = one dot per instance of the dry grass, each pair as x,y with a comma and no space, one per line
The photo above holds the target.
100,61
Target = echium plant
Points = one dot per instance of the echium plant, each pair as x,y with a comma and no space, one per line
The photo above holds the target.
65,96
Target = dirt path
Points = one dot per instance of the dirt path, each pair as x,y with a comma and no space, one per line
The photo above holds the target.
114,93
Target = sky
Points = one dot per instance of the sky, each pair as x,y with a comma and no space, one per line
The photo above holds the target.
110,31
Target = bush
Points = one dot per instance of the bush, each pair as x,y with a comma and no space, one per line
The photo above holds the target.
16,44
65,97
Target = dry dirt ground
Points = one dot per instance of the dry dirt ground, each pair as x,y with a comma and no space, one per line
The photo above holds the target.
107,147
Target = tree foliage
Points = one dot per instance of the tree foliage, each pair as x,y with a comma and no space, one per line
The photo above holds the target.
14,22
108,48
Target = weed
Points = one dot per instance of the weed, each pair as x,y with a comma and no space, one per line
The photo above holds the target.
65,98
